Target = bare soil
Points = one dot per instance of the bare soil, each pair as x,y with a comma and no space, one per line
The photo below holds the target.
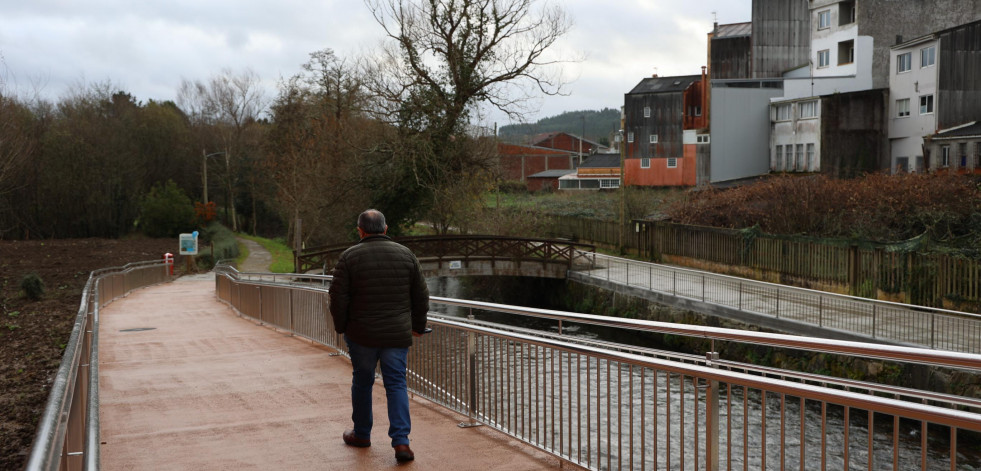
33,334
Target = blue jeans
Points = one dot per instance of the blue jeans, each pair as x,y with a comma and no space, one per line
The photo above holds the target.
393,367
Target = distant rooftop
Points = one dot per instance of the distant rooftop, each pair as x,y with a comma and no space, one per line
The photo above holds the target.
665,84
734,30
552,173
601,161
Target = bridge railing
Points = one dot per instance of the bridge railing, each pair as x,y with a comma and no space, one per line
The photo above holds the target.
879,320
604,405
68,433
464,248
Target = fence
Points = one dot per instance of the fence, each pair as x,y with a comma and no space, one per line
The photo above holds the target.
68,432
879,320
867,269
612,406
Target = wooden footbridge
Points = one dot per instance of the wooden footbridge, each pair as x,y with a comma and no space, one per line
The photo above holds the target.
465,255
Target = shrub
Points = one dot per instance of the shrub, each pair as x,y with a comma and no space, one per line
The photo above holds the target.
222,241
33,286
166,211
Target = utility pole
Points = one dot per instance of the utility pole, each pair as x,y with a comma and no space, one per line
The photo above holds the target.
623,180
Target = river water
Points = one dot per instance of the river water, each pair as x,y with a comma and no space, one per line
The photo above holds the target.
639,418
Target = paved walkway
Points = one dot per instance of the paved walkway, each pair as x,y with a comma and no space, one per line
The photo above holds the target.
187,384
259,258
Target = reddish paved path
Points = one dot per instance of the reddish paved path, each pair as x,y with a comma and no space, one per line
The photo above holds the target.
206,389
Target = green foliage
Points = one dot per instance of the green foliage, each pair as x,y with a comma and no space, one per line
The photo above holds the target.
222,241
598,126
282,255
166,211
33,286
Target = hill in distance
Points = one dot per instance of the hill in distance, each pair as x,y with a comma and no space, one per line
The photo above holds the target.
598,126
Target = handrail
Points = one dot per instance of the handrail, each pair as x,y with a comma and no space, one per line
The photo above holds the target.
578,399
69,426
898,323
913,355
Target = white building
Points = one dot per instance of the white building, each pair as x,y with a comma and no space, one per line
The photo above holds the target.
913,82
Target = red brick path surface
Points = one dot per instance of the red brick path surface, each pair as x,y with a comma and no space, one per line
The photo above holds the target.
187,384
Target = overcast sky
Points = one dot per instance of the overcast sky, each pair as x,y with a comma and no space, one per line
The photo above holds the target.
147,47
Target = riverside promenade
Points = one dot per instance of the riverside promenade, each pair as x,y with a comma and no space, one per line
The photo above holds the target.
185,383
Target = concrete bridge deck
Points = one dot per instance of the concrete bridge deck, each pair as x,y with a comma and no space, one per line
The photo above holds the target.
187,384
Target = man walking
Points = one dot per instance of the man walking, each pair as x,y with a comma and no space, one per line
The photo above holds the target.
379,301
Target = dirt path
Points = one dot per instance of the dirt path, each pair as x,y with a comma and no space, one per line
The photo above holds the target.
259,258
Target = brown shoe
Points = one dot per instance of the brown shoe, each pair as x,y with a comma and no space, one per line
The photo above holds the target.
351,440
403,453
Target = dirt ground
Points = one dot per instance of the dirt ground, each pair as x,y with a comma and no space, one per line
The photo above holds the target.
33,334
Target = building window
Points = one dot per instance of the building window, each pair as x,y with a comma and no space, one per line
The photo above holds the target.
846,52
788,159
778,159
919,164
783,112
653,138
945,156
926,104
698,111
928,56
609,183
904,62
824,58
645,162
963,148
702,139
630,137
977,155
846,13
800,158
811,162
673,162
824,19
808,109
902,108
902,164
647,111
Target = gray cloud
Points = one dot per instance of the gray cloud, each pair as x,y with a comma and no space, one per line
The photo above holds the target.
148,47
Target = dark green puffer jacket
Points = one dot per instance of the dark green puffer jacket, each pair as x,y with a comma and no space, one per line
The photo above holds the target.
378,295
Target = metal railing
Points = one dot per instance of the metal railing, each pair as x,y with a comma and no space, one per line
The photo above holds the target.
878,320
67,436
610,406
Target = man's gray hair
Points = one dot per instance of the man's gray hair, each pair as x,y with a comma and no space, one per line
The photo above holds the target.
372,221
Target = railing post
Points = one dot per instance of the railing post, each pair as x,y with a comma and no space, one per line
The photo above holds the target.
471,381
874,316
712,418
740,295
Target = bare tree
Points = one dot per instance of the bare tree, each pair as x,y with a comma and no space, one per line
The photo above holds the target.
314,145
445,59
226,105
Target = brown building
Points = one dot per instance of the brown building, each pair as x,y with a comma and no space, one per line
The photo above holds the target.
518,162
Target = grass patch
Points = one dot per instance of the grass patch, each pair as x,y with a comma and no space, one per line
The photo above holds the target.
282,255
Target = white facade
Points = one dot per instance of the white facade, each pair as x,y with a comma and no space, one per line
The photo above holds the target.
795,137
913,76
840,62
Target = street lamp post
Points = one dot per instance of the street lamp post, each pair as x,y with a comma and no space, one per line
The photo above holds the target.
204,173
